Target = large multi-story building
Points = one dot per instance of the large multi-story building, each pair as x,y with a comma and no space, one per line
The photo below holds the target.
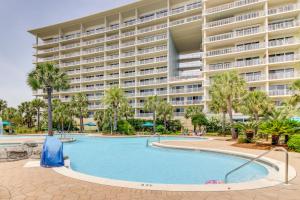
172,48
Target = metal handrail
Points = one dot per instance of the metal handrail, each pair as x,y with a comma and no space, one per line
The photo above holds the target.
148,140
261,155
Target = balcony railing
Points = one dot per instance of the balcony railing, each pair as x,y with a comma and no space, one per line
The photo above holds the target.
231,5
48,50
230,50
252,78
127,34
284,75
186,90
235,34
148,72
283,58
93,79
93,60
243,63
152,38
70,64
70,37
153,49
283,25
152,60
95,50
153,28
93,69
128,64
186,20
152,17
282,42
283,9
238,18
91,42
184,78
281,92
69,55
186,7
190,55
190,64
128,54
131,84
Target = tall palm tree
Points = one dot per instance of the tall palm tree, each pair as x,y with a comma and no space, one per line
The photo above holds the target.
165,112
100,118
126,110
3,105
80,104
48,77
231,87
11,114
114,98
60,113
218,105
255,103
192,112
152,105
27,112
38,104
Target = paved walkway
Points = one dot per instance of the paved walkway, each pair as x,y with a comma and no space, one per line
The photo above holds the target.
17,182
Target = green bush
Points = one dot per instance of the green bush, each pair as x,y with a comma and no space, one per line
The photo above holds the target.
161,129
125,127
242,139
25,130
137,124
294,143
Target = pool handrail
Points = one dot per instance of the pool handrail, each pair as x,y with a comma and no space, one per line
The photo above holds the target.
261,155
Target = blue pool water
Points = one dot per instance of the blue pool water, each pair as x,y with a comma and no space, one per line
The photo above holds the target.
131,160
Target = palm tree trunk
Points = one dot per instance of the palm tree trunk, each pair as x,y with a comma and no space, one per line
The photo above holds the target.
154,122
232,129
81,123
49,93
256,119
38,119
115,120
223,122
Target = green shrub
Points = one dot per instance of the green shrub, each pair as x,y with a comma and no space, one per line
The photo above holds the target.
125,127
242,140
25,130
161,129
294,143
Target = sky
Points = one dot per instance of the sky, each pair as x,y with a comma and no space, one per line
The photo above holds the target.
19,16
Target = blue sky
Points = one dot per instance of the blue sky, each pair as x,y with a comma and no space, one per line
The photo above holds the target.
18,16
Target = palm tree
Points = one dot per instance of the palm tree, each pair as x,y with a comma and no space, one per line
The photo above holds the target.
11,114
191,113
256,104
218,105
48,78
296,97
100,118
152,105
80,104
38,104
60,113
165,112
231,87
27,112
3,105
114,98
126,110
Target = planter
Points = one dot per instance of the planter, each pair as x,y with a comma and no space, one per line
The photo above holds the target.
249,135
275,139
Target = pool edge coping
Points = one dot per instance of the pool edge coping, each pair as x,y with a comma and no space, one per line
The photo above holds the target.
272,179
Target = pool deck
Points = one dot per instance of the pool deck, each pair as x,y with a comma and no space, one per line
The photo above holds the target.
38,183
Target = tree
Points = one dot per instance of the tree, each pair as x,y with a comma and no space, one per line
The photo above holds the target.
192,112
11,114
114,98
218,105
3,105
38,104
60,113
165,112
80,104
296,97
126,110
231,87
48,78
27,112
100,118
256,104
152,105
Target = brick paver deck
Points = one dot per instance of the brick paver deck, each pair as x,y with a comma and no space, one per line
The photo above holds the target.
17,182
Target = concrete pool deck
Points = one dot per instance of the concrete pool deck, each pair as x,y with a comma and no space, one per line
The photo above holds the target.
18,182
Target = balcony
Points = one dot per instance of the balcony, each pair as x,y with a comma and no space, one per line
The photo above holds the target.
112,57
283,25
70,46
91,42
112,37
238,49
235,34
131,84
153,71
152,28
70,55
129,23
48,59
112,76
152,82
185,20
152,16
228,65
283,58
128,54
90,79
149,93
70,37
231,5
190,64
254,77
184,78
152,38
112,67
93,60
238,18
128,64
152,50
283,42
48,50
75,81
152,60
95,97
68,64
186,7
186,90
112,47
284,75
196,55
128,74
91,51
73,72
94,69
283,9
281,92
52,41
127,44
93,32
93,88
127,34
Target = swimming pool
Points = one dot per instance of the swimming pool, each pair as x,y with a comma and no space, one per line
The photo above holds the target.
129,159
